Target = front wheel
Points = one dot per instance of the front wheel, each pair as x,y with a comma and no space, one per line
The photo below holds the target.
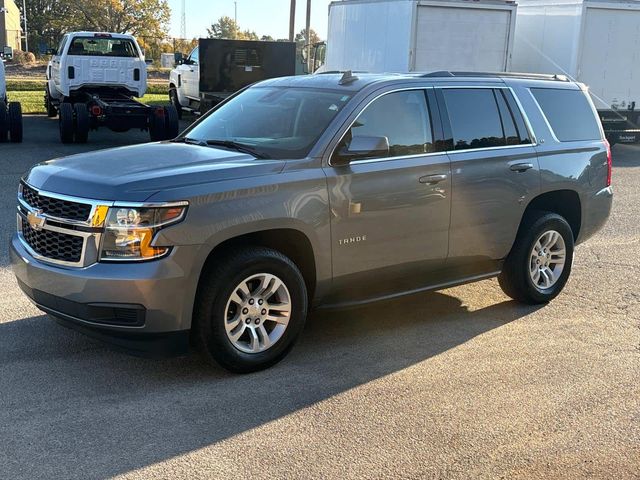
15,122
175,101
251,308
539,264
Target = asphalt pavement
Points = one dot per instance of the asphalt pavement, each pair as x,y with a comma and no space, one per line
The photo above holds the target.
457,384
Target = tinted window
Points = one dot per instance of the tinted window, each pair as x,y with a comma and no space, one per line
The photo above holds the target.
277,122
569,114
515,132
474,117
402,117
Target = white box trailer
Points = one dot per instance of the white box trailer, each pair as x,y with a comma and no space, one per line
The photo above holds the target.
420,35
594,42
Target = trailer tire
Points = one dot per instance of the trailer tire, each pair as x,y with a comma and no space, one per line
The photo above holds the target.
65,122
81,130
172,124
175,101
4,121
156,127
52,111
15,122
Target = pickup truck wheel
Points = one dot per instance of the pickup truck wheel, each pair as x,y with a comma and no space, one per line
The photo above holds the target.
15,122
4,121
156,127
81,130
250,309
175,101
172,124
65,122
539,264
51,108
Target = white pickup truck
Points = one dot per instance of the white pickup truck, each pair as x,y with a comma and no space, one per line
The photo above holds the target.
94,79
10,113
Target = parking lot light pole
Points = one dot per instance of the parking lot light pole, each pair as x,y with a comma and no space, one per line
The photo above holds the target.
26,34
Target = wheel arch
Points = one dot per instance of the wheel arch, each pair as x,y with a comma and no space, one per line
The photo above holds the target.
565,203
289,241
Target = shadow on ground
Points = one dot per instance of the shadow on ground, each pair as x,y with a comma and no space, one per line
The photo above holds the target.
67,401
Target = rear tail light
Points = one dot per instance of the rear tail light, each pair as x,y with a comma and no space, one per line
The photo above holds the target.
609,162
96,110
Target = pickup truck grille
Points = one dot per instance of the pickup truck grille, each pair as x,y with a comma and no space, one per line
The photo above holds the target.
53,245
56,207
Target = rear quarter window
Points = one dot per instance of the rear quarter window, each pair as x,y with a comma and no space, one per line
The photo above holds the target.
569,114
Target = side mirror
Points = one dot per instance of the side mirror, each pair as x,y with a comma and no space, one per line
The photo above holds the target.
178,58
362,146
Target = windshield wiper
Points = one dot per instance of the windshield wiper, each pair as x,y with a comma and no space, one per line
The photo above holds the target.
190,141
239,147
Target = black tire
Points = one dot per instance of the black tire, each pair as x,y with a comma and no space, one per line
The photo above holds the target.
4,121
52,111
156,127
175,101
515,279
15,122
216,286
65,122
172,124
81,126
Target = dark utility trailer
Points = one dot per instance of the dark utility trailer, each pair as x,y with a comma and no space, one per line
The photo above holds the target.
218,68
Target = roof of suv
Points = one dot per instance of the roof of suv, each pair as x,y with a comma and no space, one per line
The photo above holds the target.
355,81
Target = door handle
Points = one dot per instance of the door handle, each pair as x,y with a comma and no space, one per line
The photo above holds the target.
521,167
433,179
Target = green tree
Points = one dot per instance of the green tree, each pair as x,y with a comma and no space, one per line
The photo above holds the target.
227,28
267,38
301,37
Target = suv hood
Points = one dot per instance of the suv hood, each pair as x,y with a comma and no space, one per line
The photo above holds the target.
135,173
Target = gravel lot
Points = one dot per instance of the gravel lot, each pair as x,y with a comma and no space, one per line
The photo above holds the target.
461,383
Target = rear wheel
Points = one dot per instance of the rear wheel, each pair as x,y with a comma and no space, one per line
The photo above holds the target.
172,125
175,101
156,127
539,264
81,130
65,122
4,121
250,310
15,122
48,103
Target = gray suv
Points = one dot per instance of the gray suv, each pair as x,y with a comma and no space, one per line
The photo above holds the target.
317,191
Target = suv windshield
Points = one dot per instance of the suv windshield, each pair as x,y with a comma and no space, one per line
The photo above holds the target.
275,122
102,47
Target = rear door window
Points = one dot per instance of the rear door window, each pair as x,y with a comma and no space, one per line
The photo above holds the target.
474,117
569,114
402,117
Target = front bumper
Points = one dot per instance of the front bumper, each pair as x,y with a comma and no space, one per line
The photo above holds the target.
138,306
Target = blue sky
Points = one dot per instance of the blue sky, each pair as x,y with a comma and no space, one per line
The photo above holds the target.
266,17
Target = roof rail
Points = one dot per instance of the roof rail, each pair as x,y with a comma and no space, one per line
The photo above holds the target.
529,76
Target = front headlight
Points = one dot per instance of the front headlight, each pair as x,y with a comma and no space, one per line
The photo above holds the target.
129,231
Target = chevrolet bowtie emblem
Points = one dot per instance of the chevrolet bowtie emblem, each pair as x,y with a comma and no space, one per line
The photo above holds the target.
36,220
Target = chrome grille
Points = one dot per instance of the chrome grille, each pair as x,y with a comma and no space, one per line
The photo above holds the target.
54,245
56,207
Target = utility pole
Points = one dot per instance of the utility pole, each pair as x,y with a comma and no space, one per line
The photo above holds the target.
292,21
308,47
26,33
235,12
